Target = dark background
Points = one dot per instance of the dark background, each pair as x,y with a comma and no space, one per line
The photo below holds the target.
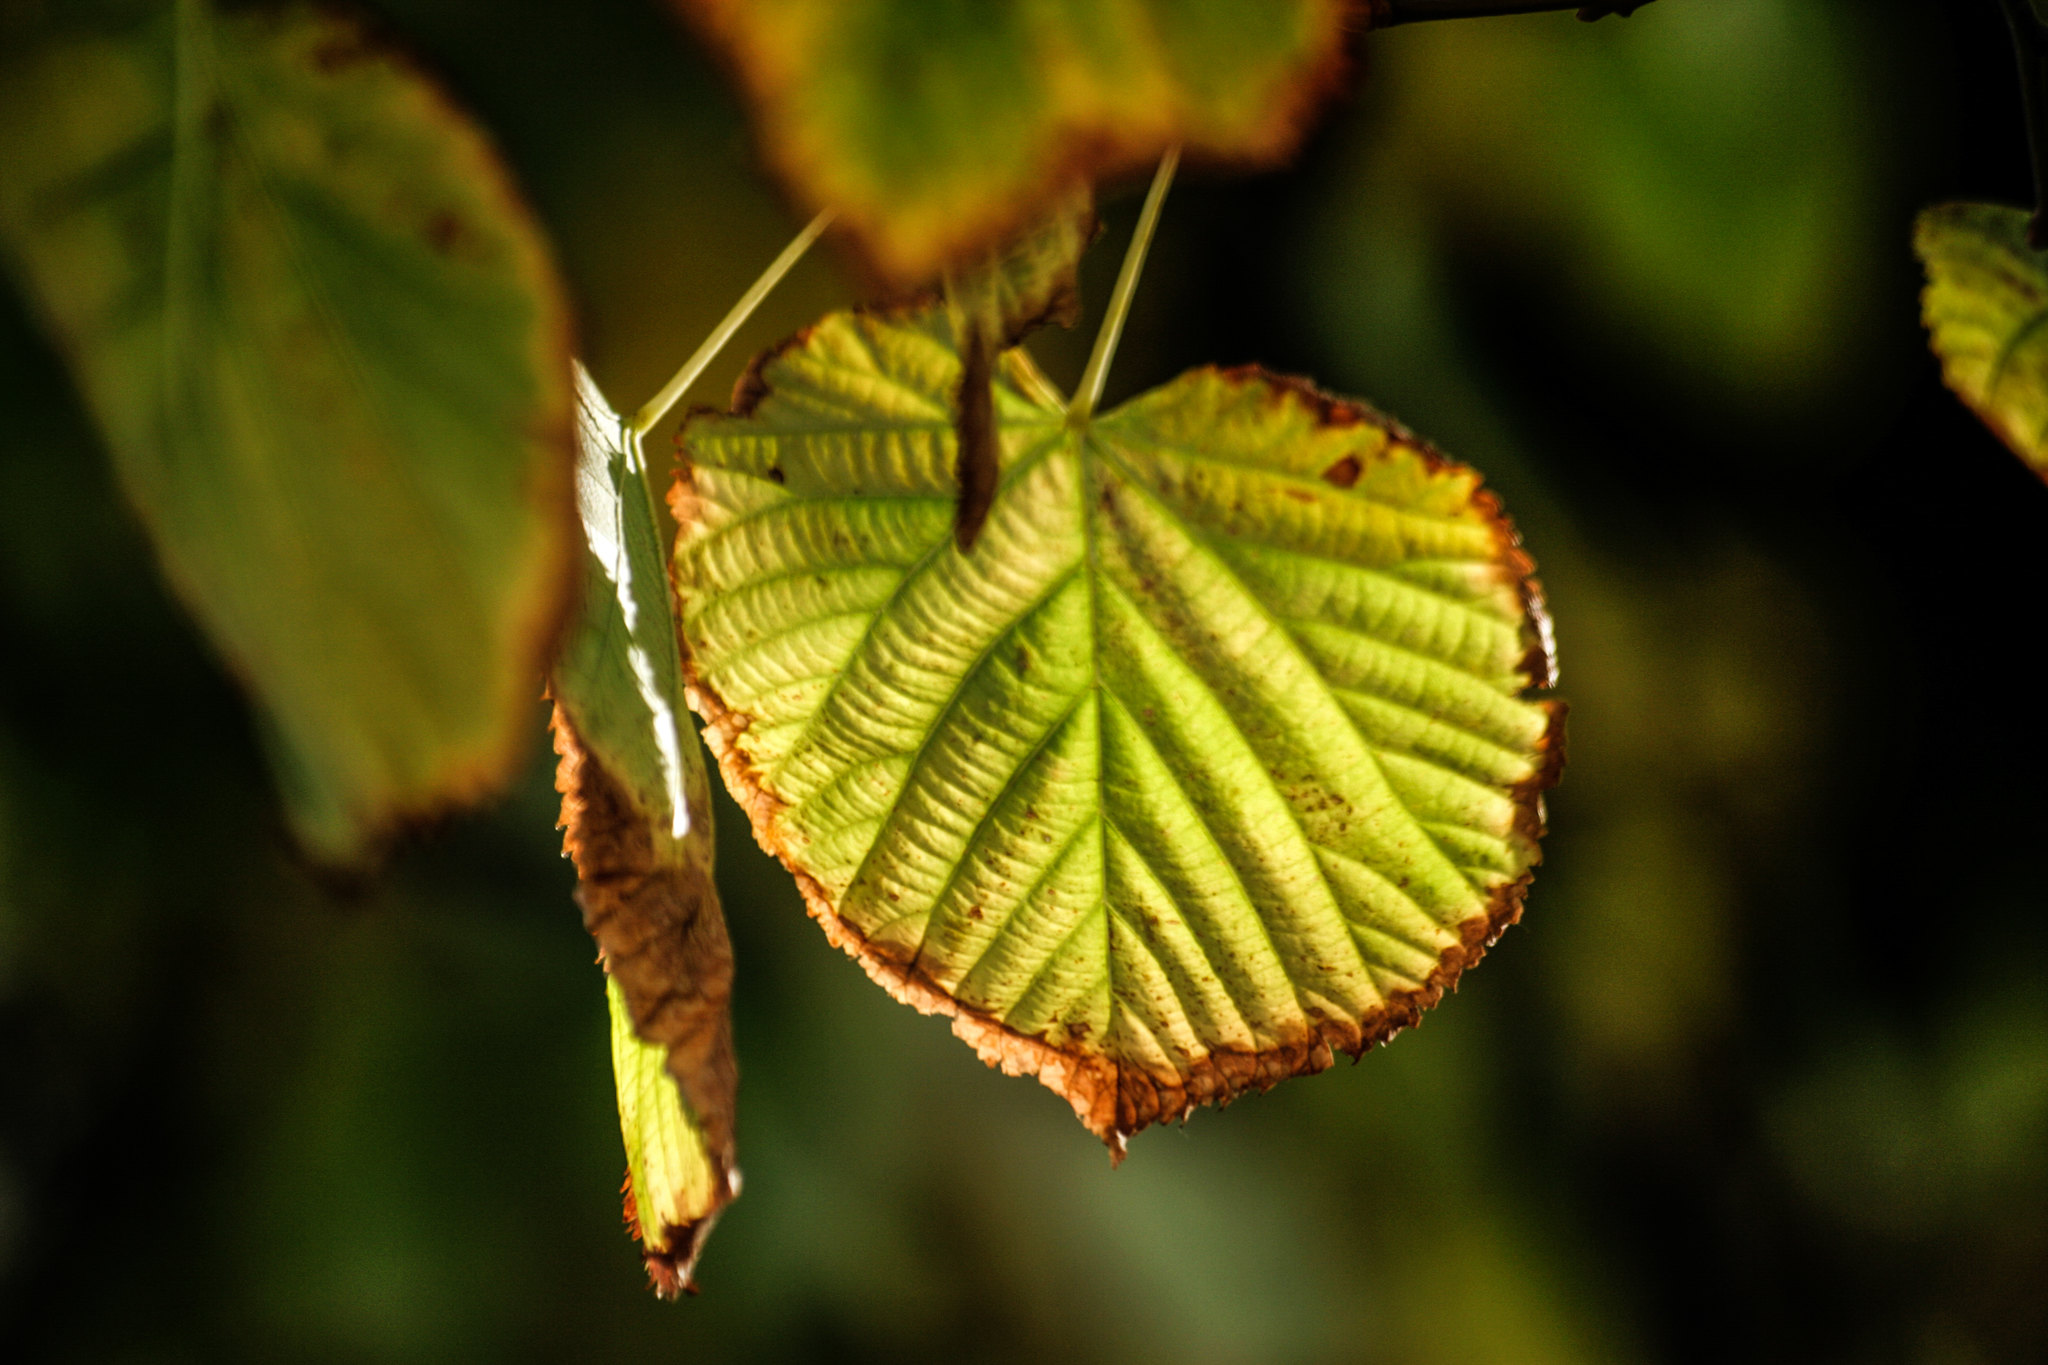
1763,1076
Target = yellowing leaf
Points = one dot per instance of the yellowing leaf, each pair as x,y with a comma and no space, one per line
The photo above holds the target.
328,352
935,130
1210,759
1985,306
636,804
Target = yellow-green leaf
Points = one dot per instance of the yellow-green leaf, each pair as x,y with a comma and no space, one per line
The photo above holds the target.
328,351
636,805
1211,759
937,130
1985,306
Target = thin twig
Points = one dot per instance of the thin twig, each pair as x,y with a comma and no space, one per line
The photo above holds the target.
1388,13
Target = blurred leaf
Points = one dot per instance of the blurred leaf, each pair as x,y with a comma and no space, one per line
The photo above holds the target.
1899,1141
1985,303
936,130
1031,282
1697,179
636,804
1209,759
325,344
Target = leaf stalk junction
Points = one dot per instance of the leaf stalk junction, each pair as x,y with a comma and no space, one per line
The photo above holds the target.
654,409
657,407
1089,392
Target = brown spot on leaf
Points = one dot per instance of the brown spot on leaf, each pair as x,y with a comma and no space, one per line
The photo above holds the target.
1344,473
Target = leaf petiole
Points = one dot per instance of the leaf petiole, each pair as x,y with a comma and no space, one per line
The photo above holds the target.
693,369
1089,393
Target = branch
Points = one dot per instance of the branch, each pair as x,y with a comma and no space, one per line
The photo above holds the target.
1388,13
2030,45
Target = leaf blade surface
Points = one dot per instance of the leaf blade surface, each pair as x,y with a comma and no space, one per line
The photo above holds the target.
1209,759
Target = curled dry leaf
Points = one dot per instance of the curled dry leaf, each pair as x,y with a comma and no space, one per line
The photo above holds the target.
937,131
655,915
329,353
1032,281
1985,306
636,804
1212,759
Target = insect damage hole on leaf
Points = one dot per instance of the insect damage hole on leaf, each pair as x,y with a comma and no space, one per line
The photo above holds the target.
1212,759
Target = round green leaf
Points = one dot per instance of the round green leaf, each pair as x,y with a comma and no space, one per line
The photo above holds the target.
1209,759
328,351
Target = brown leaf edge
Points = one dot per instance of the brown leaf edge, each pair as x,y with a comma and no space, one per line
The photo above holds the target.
661,934
353,40
1076,156
1112,1100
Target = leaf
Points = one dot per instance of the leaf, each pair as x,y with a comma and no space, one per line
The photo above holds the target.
636,804
1209,761
1985,303
937,130
666,1167
328,351
1033,281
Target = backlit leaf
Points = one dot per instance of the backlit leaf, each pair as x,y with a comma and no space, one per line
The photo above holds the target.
1209,760
328,351
1985,306
935,130
636,804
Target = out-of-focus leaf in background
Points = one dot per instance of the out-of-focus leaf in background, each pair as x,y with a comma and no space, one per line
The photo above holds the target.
935,130
1985,306
1689,183
327,349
